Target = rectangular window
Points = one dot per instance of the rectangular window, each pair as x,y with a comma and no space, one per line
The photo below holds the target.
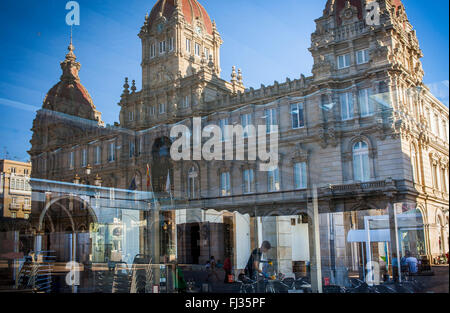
20,184
362,56
248,181
346,106
71,159
436,125
365,102
271,120
273,179
141,145
26,172
152,50
84,158
112,152
206,53
27,185
130,116
13,170
162,47
171,44
300,178
343,61
12,184
222,123
197,49
162,108
246,121
188,45
98,155
132,149
151,110
444,130
14,201
27,202
297,116
225,188
186,102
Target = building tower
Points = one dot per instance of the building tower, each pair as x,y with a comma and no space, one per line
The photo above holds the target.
180,66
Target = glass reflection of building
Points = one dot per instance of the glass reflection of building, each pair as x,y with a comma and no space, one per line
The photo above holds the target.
348,150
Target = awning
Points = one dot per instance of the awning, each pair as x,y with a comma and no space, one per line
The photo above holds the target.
376,235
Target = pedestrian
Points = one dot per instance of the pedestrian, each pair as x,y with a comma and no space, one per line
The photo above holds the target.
227,269
212,269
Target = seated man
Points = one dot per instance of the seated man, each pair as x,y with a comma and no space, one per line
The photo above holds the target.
412,263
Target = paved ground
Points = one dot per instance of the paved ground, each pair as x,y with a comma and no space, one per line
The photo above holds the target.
439,282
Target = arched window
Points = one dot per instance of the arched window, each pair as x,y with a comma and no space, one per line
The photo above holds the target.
192,183
361,168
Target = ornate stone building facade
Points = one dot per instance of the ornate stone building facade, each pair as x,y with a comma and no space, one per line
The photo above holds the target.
363,132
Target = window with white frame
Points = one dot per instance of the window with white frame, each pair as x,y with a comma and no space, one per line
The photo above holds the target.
197,49
346,100
152,50
297,116
300,176
130,116
206,50
162,47
98,154
361,168
192,183
222,123
271,120
171,44
365,102
444,130
248,181
225,187
27,185
436,125
13,170
343,61
84,158
162,108
188,45
27,202
71,159
112,152
362,56
246,121
12,184
273,180
26,172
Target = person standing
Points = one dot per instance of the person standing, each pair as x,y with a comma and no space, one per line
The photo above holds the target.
252,269
227,269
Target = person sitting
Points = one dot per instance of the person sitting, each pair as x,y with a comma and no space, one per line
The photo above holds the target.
412,263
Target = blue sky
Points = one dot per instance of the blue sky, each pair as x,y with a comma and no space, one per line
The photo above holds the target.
268,39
